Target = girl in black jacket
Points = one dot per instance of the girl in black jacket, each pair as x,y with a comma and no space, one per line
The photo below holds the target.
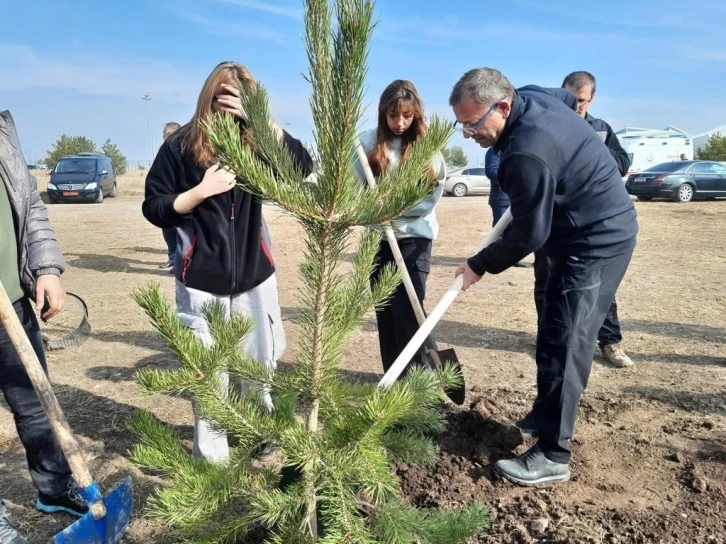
223,249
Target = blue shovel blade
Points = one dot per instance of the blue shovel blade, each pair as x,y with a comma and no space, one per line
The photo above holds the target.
107,530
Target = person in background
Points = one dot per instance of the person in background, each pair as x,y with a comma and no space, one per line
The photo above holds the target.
684,157
169,129
400,122
30,267
225,253
583,86
498,199
169,234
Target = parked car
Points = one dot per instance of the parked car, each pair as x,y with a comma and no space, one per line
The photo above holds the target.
82,178
681,181
465,181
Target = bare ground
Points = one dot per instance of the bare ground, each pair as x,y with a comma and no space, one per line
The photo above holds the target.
650,449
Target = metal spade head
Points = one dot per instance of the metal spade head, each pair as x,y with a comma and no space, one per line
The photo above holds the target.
457,395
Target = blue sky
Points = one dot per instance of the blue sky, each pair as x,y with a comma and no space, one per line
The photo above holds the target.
82,66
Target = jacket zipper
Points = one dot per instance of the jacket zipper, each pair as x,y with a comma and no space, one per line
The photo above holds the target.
233,249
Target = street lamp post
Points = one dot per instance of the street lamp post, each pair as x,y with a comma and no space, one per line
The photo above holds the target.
147,99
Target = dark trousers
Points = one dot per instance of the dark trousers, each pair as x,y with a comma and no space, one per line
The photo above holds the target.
170,239
609,332
48,467
577,297
498,212
396,321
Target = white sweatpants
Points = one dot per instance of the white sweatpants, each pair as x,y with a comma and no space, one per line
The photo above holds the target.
265,343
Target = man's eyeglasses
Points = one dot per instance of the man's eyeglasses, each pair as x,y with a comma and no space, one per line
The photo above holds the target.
470,130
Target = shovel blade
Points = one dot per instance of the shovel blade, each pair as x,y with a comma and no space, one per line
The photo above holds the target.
107,530
457,395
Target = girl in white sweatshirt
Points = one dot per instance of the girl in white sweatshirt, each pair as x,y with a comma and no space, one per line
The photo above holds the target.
400,122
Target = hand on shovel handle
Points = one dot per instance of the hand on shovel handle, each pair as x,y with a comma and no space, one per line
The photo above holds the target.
451,293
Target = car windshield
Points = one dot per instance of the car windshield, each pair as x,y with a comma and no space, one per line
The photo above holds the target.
665,167
76,166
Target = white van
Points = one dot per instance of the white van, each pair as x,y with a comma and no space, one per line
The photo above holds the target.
647,150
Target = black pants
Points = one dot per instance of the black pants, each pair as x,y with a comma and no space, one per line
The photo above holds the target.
170,239
577,296
48,467
609,332
396,321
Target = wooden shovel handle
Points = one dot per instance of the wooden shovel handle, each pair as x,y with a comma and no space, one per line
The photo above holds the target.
62,430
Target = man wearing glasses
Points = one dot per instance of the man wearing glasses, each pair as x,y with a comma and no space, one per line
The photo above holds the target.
568,199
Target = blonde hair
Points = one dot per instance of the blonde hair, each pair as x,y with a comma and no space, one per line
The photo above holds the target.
194,139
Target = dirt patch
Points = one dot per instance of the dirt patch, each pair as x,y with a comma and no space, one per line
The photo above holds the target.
649,459
597,507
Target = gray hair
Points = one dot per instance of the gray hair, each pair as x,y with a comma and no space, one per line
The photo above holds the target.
579,80
485,85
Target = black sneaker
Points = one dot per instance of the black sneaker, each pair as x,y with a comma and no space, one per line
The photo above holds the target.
527,426
8,533
70,502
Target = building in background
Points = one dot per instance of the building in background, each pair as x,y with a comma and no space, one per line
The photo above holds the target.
701,140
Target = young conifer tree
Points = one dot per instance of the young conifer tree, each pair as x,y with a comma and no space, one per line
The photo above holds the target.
340,439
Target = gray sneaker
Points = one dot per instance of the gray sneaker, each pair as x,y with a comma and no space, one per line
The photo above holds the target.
8,533
533,468
527,426
616,356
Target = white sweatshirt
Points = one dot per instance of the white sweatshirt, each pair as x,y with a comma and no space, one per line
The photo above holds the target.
420,220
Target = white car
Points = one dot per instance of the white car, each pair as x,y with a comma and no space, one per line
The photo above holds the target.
467,181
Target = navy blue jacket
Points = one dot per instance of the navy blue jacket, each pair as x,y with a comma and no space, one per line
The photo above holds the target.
567,196
497,197
607,134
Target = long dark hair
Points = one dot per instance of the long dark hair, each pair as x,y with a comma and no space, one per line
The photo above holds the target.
393,97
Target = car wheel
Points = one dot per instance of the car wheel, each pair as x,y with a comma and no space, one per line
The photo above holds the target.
99,198
114,191
459,190
645,198
684,193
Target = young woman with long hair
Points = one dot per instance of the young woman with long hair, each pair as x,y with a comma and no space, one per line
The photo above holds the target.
400,123
223,249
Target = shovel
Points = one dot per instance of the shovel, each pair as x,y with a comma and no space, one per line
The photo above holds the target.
400,363
108,517
436,357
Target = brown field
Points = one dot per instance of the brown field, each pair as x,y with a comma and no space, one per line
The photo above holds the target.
628,486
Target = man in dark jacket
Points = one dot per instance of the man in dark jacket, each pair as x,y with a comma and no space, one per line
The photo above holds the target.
583,86
30,267
567,197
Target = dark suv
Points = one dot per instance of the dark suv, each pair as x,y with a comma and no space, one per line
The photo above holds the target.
86,177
